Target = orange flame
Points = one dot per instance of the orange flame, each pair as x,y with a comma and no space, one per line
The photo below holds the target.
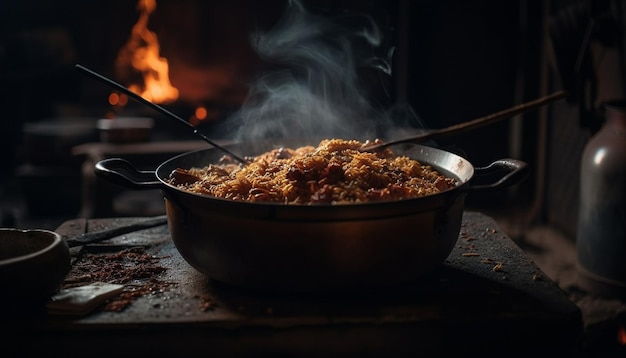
142,54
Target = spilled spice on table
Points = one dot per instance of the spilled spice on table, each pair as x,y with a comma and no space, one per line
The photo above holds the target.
132,267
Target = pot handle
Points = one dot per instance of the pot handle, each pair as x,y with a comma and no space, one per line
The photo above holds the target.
516,170
122,172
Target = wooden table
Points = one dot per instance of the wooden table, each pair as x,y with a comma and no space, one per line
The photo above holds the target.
487,298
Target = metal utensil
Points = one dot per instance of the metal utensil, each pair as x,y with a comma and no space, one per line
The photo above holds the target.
158,108
473,124
97,236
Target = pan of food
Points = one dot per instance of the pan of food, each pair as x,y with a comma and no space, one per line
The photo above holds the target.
320,217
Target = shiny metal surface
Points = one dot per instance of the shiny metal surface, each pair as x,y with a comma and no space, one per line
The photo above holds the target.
313,248
601,235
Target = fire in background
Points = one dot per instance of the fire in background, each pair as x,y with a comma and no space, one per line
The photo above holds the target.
140,64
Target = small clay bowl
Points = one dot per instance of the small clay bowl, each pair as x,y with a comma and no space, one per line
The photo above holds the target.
33,264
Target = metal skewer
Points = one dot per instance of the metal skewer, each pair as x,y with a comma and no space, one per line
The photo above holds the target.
97,236
473,124
156,107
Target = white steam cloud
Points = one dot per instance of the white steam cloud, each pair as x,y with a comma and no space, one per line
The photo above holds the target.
315,91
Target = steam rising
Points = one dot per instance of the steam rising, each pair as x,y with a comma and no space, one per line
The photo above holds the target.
315,91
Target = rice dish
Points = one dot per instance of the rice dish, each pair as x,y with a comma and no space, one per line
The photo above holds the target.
335,172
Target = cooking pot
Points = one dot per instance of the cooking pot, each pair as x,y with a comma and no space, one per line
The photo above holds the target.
314,248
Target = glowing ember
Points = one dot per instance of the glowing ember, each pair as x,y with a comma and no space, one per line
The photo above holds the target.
201,113
116,99
204,114
621,335
142,54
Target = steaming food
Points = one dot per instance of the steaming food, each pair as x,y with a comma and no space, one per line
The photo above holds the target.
334,172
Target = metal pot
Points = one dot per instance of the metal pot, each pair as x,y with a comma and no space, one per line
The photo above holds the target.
314,248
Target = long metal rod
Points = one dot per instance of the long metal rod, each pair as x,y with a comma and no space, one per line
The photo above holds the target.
473,124
106,234
156,107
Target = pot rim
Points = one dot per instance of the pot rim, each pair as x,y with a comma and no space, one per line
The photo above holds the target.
432,200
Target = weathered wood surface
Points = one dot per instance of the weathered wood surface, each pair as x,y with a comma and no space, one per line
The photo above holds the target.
487,296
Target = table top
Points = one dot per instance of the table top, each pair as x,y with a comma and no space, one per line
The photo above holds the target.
487,295
104,149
